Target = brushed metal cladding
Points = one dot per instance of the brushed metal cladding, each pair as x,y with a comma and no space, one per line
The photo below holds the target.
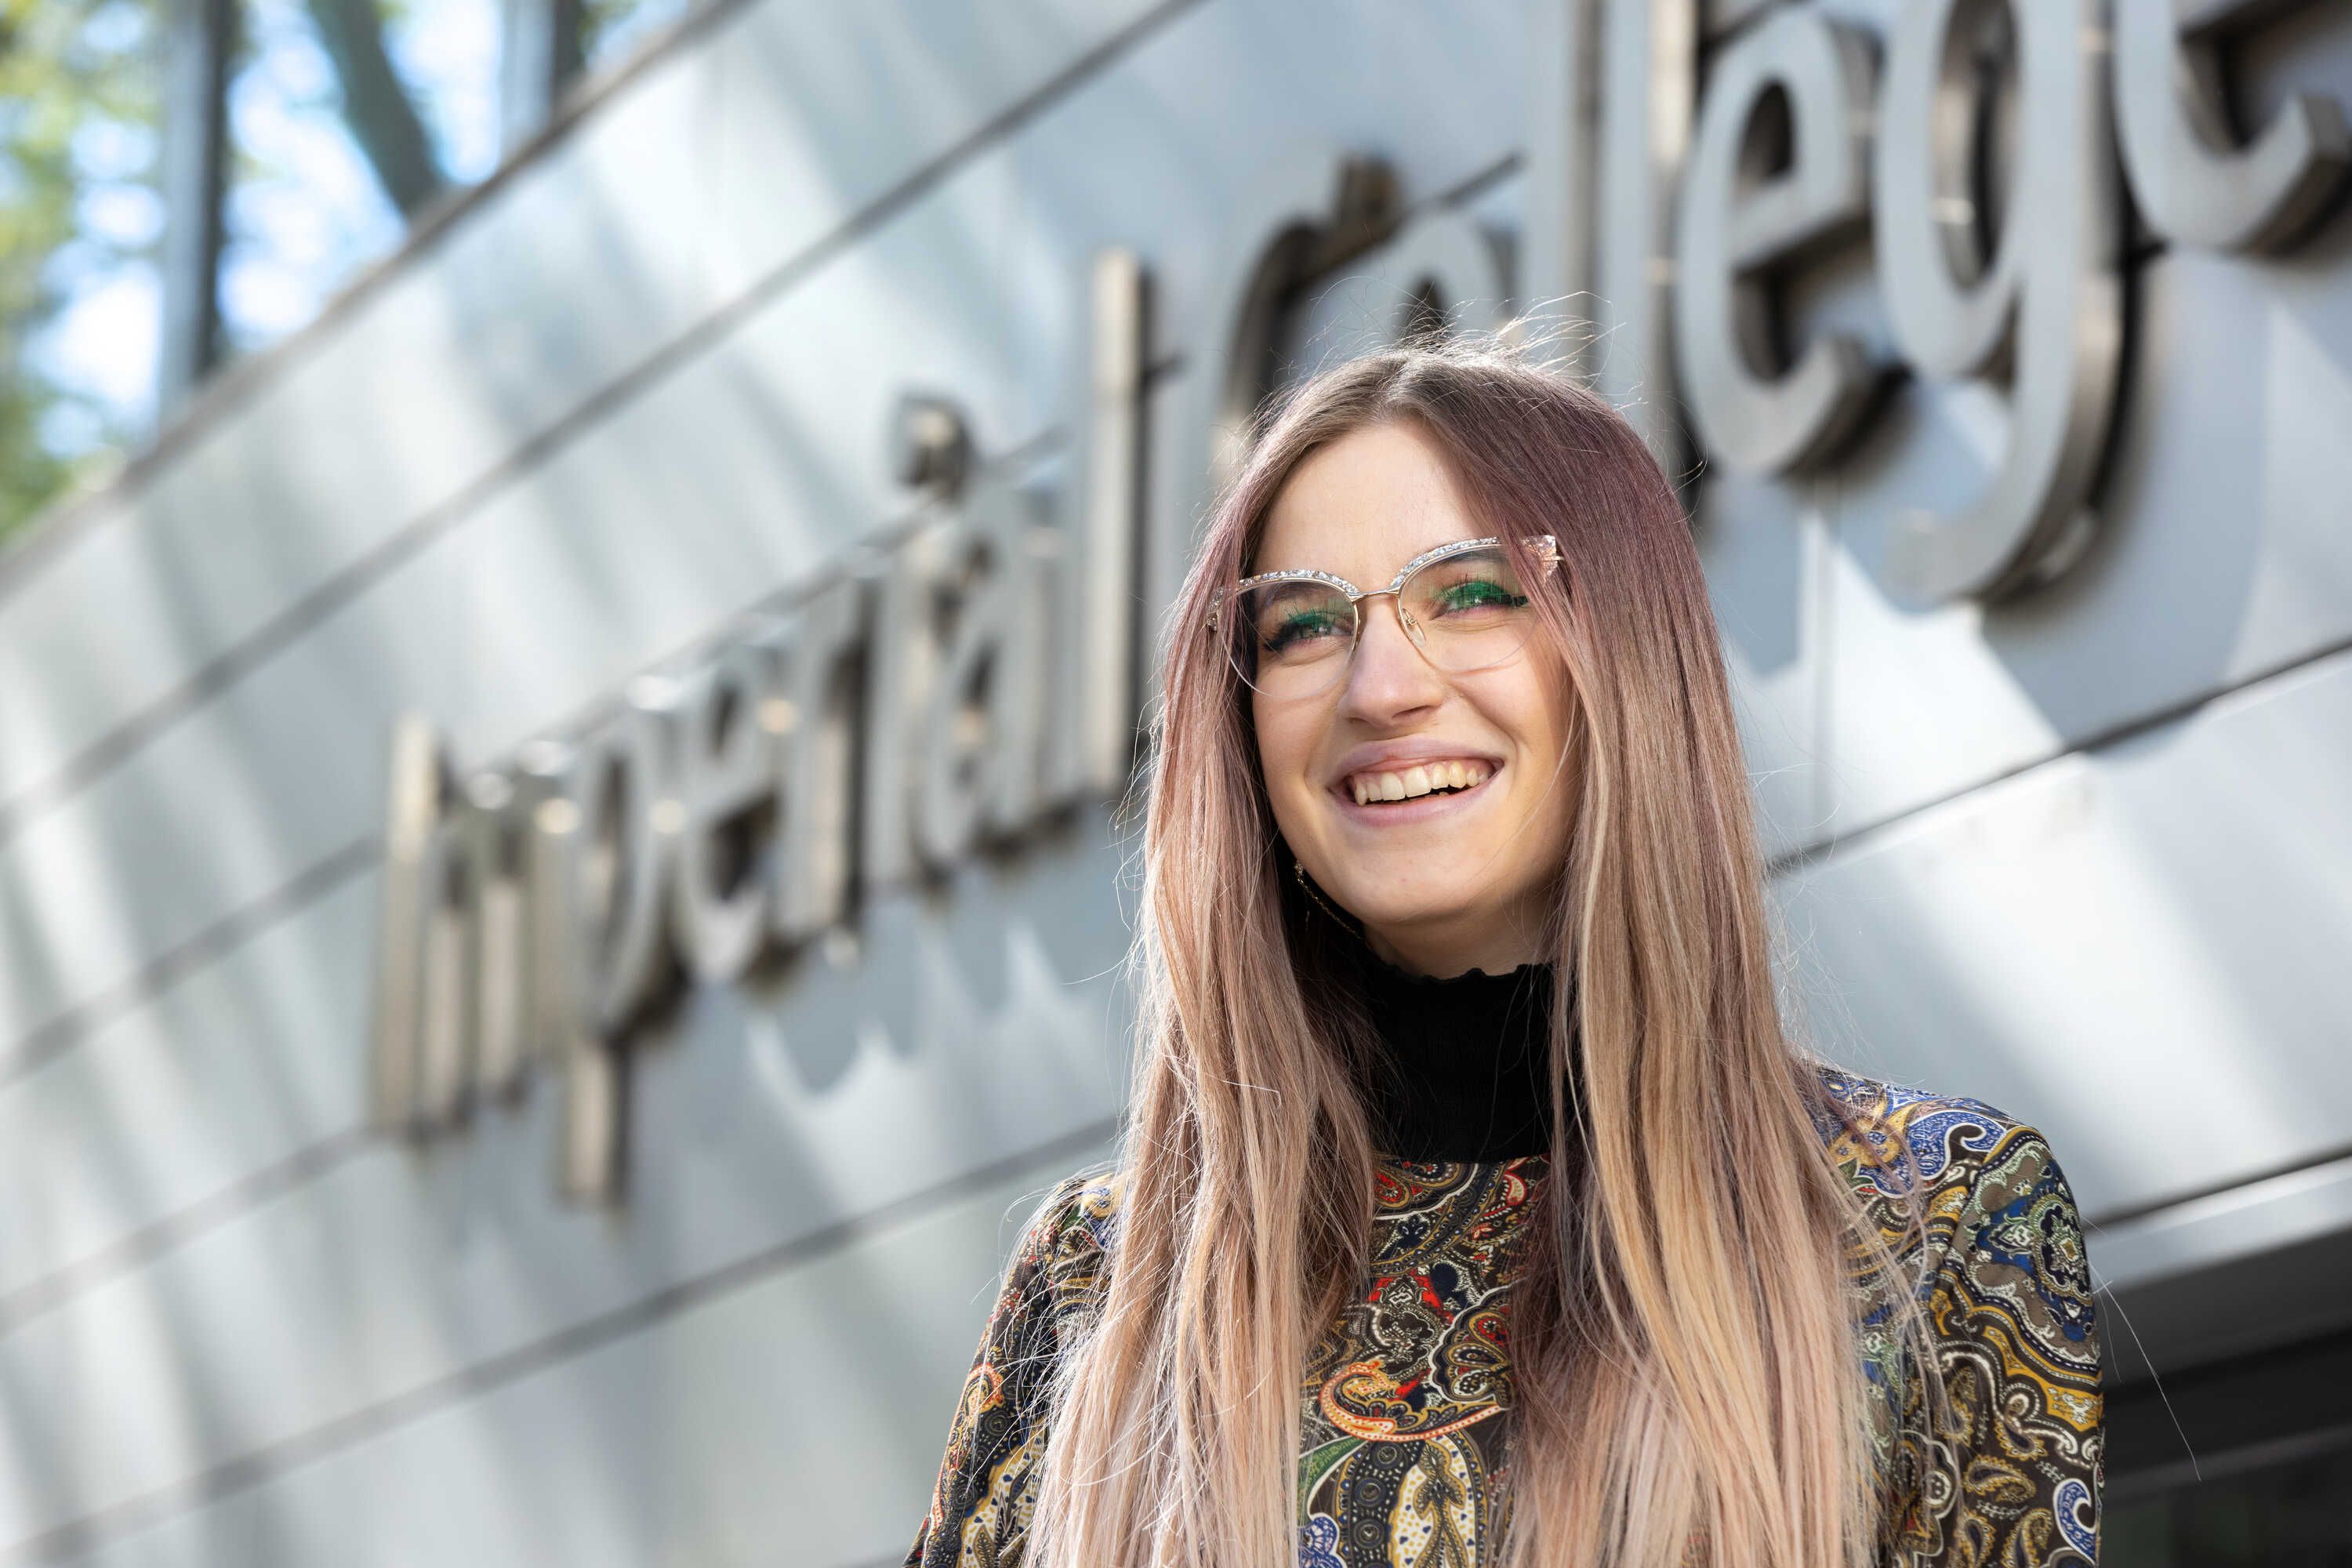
728,163
761,456
2256,1217
758,460
190,1108
761,1118
2120,946
1446,267
1558,156
696,1436
1640,142
1765,546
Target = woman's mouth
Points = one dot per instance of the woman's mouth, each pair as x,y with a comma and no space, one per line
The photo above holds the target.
1376,785
1396,796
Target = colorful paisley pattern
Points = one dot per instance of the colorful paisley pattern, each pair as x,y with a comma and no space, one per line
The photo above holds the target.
1406,1396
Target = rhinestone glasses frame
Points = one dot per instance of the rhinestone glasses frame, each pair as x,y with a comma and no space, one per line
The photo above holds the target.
1544,547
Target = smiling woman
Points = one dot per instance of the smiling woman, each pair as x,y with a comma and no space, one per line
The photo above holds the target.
1474,1205
1440,676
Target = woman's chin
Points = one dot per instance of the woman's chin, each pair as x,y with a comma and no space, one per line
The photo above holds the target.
1406,919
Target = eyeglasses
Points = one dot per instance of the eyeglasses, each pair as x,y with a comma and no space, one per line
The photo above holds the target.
1467,605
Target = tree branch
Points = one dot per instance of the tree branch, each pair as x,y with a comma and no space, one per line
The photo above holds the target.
376,104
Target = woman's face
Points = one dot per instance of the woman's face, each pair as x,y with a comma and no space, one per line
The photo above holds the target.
1442,881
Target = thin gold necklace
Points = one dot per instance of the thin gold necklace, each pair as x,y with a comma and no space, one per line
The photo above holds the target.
1315,893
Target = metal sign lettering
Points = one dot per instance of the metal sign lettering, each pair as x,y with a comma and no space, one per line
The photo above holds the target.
986,669
536,914
1755,416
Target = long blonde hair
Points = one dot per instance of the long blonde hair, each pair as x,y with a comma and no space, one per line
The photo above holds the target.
1687,1324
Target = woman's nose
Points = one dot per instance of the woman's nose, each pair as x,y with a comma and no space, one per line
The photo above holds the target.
1387,674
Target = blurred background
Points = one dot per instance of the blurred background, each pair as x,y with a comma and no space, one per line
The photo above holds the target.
499,365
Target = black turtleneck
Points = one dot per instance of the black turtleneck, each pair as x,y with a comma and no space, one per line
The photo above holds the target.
1464,1073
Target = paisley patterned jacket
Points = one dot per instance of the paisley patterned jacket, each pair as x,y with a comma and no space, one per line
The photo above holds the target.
1406,1396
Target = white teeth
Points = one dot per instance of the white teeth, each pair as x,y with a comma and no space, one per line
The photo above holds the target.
1417,780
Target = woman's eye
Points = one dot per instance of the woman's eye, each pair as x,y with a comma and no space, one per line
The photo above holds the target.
1300,628
1476,593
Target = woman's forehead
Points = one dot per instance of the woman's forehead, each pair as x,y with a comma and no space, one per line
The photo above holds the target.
1361,508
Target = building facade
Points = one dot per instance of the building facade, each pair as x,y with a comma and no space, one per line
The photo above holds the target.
561,873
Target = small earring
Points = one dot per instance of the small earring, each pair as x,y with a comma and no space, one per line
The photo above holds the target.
1315,893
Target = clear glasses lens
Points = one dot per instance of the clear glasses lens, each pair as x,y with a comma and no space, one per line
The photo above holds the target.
1290,637
1468,611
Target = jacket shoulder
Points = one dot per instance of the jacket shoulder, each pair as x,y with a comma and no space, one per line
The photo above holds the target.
1890,1137
1976,1173
2010,1466
987,1478
1068,1243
